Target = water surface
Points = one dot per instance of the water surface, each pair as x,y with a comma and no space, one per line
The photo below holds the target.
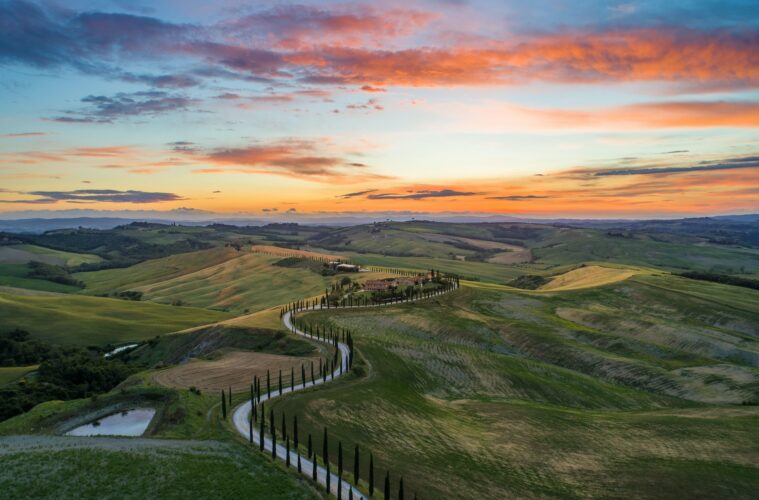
125,423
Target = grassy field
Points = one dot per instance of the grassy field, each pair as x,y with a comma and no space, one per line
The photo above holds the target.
496,393
12,373
587,277
216,463
21,254
240,282
81,320
52,468
16,276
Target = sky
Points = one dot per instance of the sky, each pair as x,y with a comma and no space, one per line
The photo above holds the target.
548,108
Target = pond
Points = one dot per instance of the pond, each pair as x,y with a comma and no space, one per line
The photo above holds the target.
126,423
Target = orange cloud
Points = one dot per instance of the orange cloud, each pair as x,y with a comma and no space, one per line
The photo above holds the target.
655,54
295,158
656,115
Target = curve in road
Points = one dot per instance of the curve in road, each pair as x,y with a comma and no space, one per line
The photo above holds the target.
241,415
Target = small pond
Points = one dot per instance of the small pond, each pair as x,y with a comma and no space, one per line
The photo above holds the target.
124,423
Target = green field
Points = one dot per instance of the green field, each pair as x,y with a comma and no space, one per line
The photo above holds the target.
21,254
15,275
222,279
81,320
12,373
51,467
499,394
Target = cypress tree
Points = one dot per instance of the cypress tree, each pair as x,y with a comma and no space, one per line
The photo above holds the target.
312,373
310,448
230,397
325,448
261,431
371,474
303,374
253,412
284,426
268,385
295,438
292,378
273,430
400,490
280,382
329,476
355,466
387,485
287,459
223,405
339,469
314,465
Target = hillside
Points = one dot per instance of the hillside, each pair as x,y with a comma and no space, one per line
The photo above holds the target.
575,392
80,320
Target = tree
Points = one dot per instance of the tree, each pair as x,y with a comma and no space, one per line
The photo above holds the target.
371,474
268,384
280,382
252,412
387,485
273,435
223,405
284,426
261,431
295,438
310,448
339,469
287,457
325,448
292,378
313,461
230,397
355,466
400,489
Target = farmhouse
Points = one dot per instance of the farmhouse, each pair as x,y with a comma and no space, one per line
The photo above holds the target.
378,285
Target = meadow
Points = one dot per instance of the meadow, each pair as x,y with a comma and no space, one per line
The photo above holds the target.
81,320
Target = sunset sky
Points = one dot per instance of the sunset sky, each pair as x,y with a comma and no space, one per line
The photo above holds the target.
545,108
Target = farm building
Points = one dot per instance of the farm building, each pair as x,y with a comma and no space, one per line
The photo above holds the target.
378,285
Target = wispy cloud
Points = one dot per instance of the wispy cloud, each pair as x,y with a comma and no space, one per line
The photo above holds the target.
357,193
518,197
303,159
729,164
102,195
421,195
25,134
107,109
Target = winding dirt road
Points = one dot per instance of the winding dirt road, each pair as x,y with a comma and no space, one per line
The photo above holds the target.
241,415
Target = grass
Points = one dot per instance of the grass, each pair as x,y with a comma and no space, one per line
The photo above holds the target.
10,374
16,276
587,277
69,259
82,320
492,393
224,279
575,246
199,470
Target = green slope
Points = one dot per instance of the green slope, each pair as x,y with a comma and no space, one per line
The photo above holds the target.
497,394
220,279
81,320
